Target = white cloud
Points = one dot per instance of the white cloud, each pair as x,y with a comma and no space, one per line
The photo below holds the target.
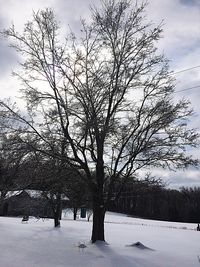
181,26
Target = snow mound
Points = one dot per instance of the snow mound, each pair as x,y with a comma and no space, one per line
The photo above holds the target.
139,245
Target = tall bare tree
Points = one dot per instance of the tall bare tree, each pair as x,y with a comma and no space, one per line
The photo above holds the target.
108,96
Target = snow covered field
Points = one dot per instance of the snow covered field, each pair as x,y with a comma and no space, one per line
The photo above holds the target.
38,244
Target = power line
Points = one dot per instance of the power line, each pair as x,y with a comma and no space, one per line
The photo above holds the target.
182,90
177,72
187,89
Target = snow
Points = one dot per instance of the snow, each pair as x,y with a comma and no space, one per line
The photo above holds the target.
131,242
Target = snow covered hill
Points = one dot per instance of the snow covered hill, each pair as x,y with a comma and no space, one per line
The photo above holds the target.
130,243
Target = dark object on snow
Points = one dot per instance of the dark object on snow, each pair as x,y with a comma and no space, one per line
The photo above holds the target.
83,212
82,246
25,218
198,227
139,245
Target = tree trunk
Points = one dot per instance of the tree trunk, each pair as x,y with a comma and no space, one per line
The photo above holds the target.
58,211
98,198
98,223
75,210
56,220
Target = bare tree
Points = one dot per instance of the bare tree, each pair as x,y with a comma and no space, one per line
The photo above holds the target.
49,179
107,94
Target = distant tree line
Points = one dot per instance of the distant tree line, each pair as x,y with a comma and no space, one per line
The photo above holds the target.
149,198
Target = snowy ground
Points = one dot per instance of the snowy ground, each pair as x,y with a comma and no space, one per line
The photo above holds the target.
38,244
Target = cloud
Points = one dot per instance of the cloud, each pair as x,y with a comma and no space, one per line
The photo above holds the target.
190,2
187,178
8,59
181,26
71,12
7,56
19,11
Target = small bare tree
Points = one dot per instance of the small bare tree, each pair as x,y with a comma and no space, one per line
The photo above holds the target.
108,95
50,178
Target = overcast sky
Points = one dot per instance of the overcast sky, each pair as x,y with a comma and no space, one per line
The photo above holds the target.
180,44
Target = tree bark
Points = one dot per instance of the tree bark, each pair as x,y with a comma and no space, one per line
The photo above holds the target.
98,222
58,211
98,199
56,221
